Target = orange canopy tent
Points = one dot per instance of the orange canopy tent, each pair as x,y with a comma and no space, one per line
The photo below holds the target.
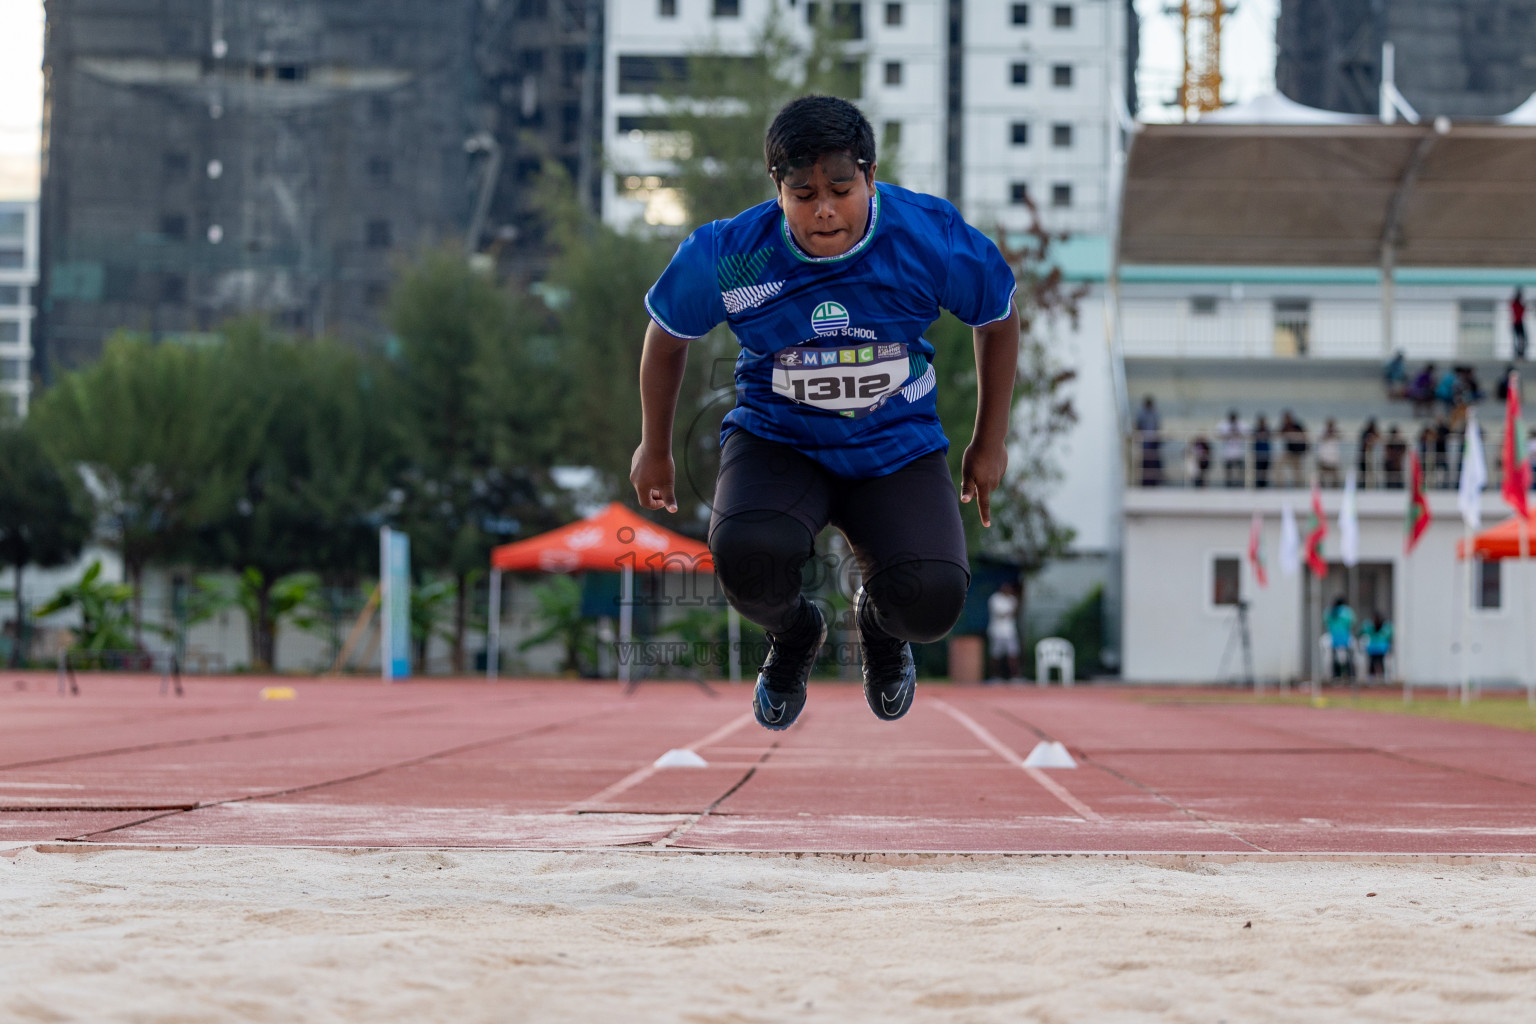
1501,541
608,541
615,538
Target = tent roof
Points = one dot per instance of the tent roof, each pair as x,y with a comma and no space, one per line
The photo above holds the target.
1501,541
604,542
1302,193
1274,108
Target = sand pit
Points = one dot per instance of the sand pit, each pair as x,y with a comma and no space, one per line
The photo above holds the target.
263,934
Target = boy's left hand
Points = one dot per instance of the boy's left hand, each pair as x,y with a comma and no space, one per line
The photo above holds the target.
981,471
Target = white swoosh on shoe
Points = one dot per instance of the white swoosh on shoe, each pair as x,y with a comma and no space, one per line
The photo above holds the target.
777,712
885,702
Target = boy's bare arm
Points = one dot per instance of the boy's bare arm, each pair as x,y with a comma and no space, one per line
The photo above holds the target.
986,457
662,362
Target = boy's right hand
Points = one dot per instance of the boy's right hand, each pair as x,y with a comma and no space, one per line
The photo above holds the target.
654,477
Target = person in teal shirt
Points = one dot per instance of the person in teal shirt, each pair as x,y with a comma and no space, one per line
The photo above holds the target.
1377,634
1340,624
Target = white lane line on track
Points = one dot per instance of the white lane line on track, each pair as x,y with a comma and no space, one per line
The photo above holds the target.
1047,783
638,776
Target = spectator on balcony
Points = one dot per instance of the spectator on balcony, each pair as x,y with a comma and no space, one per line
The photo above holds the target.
1148,426
1233,447
1422,391
1427,454
1471,390
1443,478
1369,436
1377,634
1447,388
1262,445
1330,456
1197,461
1393,455
1517,321
1293,457
1503,388
1395,373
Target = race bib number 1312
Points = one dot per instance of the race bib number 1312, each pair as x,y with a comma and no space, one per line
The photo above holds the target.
851,381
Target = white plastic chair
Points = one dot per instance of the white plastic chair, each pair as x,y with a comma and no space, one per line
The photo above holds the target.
1053,652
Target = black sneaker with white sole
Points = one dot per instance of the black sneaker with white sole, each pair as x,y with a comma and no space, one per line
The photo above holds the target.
890,674
780,692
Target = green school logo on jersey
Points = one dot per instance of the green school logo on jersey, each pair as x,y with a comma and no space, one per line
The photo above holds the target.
828,318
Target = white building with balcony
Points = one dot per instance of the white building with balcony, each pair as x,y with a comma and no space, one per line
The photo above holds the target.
1265,269
18,287
985,102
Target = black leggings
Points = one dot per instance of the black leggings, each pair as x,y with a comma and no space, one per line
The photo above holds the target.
904,528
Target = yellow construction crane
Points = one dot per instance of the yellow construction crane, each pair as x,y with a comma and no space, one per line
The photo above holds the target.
1200,89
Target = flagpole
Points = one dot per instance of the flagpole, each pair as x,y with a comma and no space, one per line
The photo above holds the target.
1530,635
1461,618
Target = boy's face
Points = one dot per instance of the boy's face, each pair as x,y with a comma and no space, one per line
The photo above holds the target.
827,205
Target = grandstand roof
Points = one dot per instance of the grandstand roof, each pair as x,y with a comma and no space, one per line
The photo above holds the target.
1318,194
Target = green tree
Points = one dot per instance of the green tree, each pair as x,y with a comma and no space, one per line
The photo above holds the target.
42,521
268,604
1023,529
559,613
104,615
479,389
311,462
150,430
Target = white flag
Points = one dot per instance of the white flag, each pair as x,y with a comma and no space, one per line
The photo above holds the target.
1474,477
1349,524
1290,541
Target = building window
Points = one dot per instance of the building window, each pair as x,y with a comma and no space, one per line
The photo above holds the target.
1019,132
173,289
893,14
667,9
10,404
893,72
1021,14
1018,193
1489,591
1061,76
1061,16
890,136
378,109
727,9
375,294
380,170
1474,328
175,166
1293,327
378,234
847,18
1021,74
1061,136
1226,581
173,227
12,295
1202,305
13,369
1061,195
10,331
11,259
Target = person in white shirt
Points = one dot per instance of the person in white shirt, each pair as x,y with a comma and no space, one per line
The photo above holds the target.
1232,441
1330,456
1003,631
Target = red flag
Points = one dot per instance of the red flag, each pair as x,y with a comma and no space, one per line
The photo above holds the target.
1418,505
1255,551
1517,470
1315,560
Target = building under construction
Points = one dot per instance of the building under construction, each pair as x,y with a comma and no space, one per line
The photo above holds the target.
206,158
1459,58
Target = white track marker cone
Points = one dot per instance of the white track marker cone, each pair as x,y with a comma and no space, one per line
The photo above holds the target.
1049,755
682,757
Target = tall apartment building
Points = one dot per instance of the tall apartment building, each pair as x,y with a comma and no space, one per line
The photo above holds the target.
206,158
18,283
991,102
1459,58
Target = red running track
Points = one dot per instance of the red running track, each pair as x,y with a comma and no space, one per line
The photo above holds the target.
550,765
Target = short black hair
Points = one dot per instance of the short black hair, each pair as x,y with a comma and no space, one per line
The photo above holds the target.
813,126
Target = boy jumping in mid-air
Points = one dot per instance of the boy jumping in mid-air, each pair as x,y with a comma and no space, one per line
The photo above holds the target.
828,288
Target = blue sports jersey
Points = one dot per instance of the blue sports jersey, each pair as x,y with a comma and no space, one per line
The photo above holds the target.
833,361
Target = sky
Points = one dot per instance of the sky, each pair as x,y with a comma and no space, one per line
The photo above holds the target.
1248,60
